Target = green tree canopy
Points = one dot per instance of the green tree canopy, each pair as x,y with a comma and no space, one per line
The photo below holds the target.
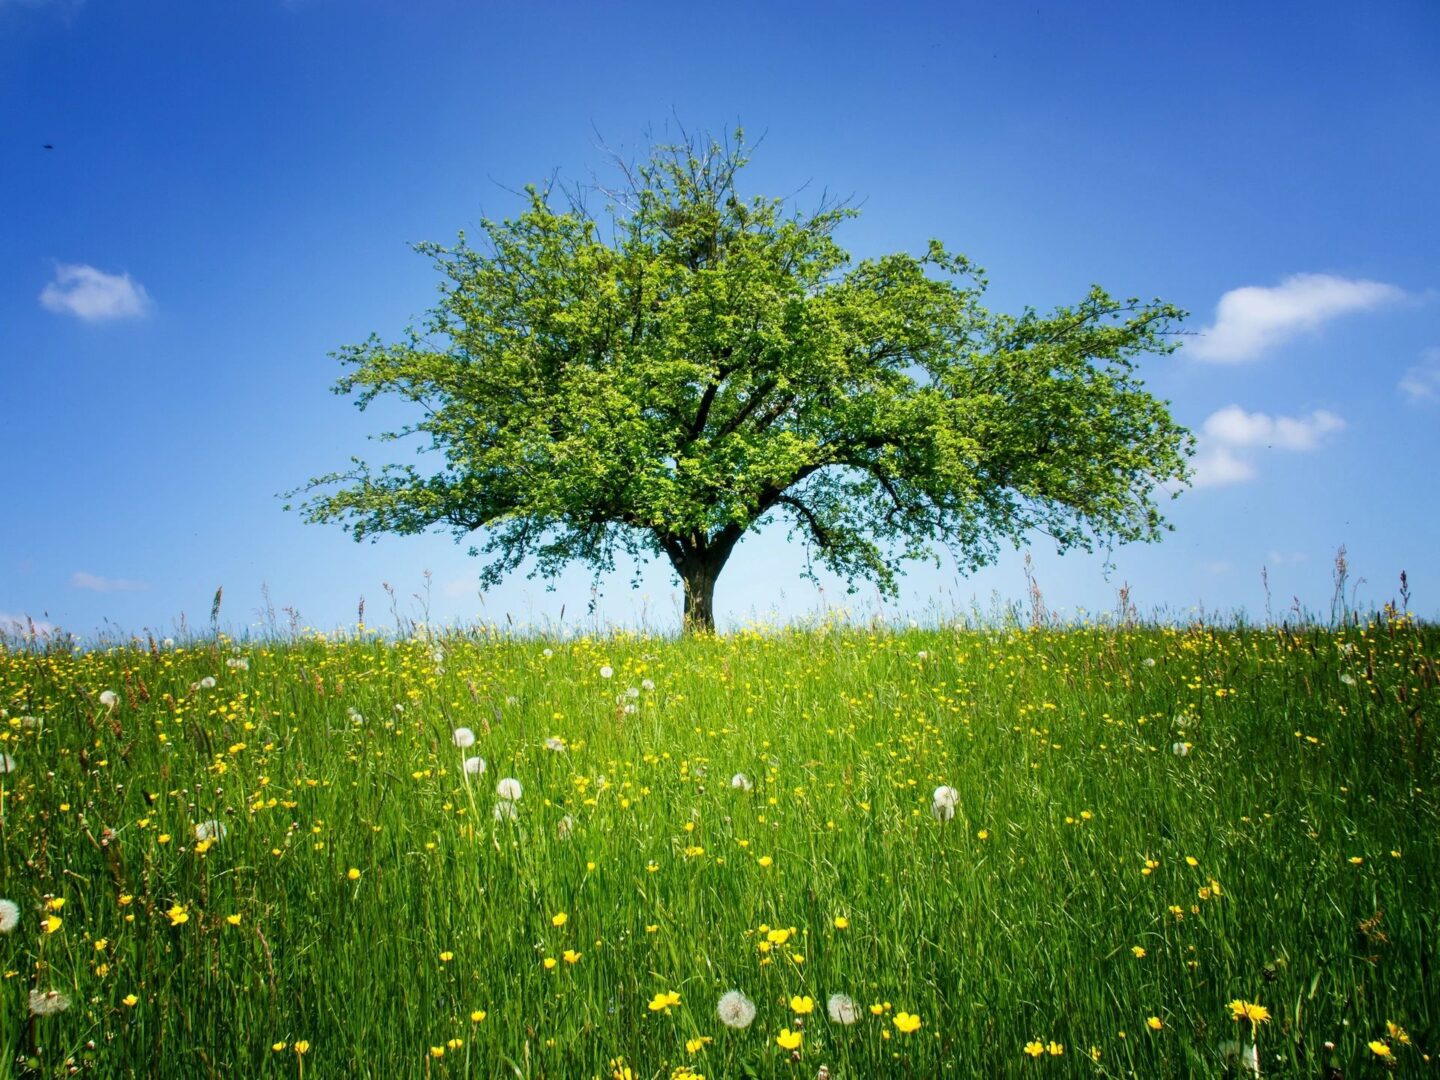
719,361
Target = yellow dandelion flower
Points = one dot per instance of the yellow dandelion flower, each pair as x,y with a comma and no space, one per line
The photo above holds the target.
477,1016
1154,1023
560,918
1379,1049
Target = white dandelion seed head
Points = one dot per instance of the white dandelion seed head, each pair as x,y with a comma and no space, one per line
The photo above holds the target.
9,916
463,737
632,692
565,826
842,1009
555,743
238,663
474,766
945,795
168,643
1149,661
47,1002
504,810
1347,678
438,655
735,1009
630,709
922,655
509,789
109,698
647,685
1180,749
547,653
606,671
355,715
942,811
7,764
207,683
399,708
741,782
210,830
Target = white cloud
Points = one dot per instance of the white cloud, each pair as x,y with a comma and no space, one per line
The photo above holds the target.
1280,558
1219,466
1422,382
20,625
1219,567
93,295
1252,319
1233,426
1228,432
95,583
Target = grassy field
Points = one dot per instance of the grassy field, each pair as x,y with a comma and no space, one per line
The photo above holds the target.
272,860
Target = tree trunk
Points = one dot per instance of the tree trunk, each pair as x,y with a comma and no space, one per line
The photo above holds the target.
698,576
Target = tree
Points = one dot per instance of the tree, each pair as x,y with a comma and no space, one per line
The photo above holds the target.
719,362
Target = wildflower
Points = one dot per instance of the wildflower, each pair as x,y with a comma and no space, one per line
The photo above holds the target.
178,915
1356,860
550,964
1034,1048
942,805
1378,1048
474,766
9,916
647,684
279,1046
1191,861
802,1006
788,1040
1180,749
841,922
207,683
233,920
1154,1023
842,1009
907,1022
560,918
555,743
741,782
210,830
477,1016
1398,1033
735,1009
446,956
1055,1049
1138,951
765,860
664,1000
463,737
509,789
109,698
130,1001
695,1045
1248,1010
47,1002
51,923
571,956
353,873
606,671
302,1046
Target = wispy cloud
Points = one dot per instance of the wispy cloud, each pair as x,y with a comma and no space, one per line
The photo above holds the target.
1252,319
95,583
1280,558
93,295
20,625
1421,383
1227,433
1233,426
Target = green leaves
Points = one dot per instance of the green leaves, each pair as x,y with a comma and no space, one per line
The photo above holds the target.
719,362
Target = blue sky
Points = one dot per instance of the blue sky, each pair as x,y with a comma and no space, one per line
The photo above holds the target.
233,189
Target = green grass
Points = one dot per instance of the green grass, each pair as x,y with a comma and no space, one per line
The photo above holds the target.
1308,794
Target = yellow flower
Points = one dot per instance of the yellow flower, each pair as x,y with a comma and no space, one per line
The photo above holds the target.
550,962
178,915
1379,1049
877,1009
163,838
437,1051
777,937
802,1006
1191,861
101,944
446,956
664,1000
695,1045
233,920
455,1044
788,1040
1055,1049
1034,1048
55,903
477,1016
766,860
1356,860
1138,951
302,1046
51,923
571,956
1398,1033
353,874
841,922
1248,1010
277,1047
906,1022
130,1001
983,834
559,919
1154,1023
